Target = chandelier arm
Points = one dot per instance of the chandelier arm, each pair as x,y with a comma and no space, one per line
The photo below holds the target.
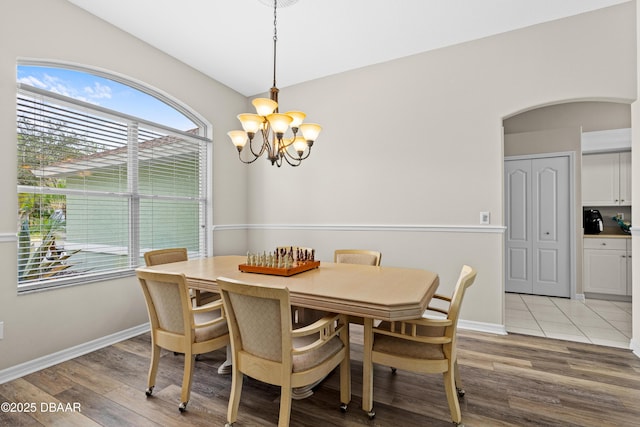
262,148
287,155
253,152
249,161
298,157
308,153
297,163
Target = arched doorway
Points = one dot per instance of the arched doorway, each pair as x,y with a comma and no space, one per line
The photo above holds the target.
552,129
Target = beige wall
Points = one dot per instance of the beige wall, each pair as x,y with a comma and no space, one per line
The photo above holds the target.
413,146
46,322
411,152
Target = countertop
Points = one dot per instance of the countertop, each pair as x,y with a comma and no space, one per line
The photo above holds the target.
610,232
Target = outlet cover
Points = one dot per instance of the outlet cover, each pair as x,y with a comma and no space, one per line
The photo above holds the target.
1,330
485,218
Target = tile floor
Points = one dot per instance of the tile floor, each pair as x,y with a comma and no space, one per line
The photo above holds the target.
592,321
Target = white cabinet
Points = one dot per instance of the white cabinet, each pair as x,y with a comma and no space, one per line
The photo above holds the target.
625,178
606,179
607,266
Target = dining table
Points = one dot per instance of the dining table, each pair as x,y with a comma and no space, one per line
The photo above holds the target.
370,292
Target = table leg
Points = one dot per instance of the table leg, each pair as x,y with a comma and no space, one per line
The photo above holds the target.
367,367
225,368
299,393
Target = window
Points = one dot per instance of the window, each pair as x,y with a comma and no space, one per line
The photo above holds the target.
97,188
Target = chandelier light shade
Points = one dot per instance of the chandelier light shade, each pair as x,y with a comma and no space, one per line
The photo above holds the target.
273,126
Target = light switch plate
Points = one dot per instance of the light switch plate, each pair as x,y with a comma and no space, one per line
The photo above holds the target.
485,218
1,330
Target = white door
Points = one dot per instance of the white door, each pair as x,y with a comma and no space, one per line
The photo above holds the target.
538,223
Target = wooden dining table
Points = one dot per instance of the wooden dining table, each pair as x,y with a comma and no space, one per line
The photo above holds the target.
370,292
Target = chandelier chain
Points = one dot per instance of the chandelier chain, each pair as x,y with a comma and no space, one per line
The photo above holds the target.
275,38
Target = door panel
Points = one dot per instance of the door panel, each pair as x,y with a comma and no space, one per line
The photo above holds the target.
551,226
518,189
547,267
518,264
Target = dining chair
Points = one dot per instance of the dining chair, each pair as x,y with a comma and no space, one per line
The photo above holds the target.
165,256
357,256
424,345
178,326
266,347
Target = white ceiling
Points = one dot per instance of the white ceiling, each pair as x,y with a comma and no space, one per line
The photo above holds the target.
232,40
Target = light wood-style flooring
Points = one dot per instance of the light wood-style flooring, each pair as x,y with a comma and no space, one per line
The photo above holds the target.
512,380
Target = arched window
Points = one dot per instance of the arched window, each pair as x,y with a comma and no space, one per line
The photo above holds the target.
107,170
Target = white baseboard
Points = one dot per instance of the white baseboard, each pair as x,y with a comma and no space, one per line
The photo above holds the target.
491,328
635,347
35,365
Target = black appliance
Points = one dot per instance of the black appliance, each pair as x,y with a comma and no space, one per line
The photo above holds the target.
592,221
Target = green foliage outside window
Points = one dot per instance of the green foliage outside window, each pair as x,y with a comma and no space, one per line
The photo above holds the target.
42,217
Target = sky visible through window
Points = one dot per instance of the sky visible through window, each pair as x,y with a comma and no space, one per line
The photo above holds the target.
103,92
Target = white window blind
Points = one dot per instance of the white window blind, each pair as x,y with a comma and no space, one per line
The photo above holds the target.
97,189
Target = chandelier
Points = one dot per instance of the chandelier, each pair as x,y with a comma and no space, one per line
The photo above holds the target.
273,126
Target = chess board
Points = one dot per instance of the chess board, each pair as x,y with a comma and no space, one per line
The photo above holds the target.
297,267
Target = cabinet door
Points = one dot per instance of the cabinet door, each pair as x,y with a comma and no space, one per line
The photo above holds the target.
605,271
601,179
629,268
625,178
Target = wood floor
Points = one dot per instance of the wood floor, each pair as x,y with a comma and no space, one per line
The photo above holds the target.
513,380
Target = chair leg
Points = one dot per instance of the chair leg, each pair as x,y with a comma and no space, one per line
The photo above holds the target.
234,397
153,368
187,377
285,405
345,384
457,377
452,398
345,371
